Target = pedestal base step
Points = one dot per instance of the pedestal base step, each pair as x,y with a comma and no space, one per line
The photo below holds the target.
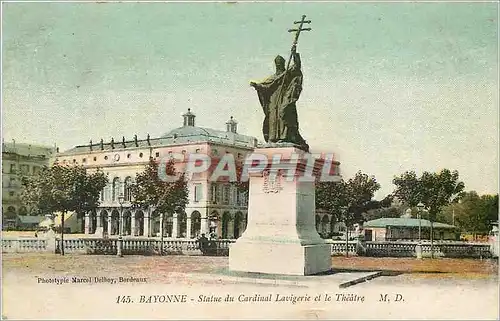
279,258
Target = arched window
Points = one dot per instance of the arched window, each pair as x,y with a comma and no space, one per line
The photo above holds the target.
116,189
226,217
107,191
128,189
11,212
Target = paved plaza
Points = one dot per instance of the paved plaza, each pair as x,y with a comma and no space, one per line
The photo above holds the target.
448,288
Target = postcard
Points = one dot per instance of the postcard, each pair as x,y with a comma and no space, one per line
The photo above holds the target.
250,160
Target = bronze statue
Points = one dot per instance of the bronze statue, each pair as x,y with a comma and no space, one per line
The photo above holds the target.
278,95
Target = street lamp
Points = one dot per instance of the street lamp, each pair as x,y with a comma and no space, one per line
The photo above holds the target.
418,248
346,218
120,236
420,207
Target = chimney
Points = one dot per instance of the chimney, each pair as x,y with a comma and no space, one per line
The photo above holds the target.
123,141
149,143
112,143
189,118
231,125
135,141
90,145
102,144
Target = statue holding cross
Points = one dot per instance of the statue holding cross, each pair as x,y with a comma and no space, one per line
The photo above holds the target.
278,95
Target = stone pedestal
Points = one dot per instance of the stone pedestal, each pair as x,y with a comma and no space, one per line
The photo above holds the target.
50,237
418,251
281,237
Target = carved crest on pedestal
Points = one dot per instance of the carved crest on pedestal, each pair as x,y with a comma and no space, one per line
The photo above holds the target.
272,181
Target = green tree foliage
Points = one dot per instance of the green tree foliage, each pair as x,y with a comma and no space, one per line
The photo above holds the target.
348,200
473,214
149,190
408,188
434,190
330,196
391,211
62,189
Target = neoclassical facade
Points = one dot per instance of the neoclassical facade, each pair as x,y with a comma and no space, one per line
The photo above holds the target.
213,207
18,160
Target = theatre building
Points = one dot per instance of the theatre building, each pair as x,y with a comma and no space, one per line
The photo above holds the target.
217,207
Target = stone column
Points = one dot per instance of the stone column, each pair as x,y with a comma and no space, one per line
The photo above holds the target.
162,218
132,223
98,225
175,225
204,225
87,223
109,224
98,221
188,227
146,224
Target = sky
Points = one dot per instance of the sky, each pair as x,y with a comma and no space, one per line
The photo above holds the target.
388,87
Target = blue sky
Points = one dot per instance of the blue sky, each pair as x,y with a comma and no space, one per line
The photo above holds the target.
388,87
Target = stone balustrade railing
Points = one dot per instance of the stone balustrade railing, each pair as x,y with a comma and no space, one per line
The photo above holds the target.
153,246
24,245
407,249
338,247
140,246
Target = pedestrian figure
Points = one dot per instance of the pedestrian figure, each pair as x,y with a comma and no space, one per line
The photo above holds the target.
203,241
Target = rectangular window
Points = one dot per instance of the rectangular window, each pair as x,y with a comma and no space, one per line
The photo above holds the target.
24,169
238,198
234,198
226,194
214,193
12,168
12,182
197,192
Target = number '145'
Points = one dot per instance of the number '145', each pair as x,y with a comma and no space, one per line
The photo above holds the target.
123,299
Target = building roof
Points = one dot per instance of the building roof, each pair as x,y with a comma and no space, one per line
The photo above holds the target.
187,134
27,149
27,219
404,222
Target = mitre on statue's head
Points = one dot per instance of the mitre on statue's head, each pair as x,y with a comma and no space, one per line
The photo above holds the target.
279,60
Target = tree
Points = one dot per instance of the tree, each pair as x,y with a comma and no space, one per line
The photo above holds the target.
348,200
330,197
62,189
150,191
390,211
408,188
473,213
359,191
434,190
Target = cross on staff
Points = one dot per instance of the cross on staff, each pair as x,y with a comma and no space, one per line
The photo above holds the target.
297,34
294,45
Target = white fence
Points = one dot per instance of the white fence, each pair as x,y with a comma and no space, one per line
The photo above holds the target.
24,245
153,246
